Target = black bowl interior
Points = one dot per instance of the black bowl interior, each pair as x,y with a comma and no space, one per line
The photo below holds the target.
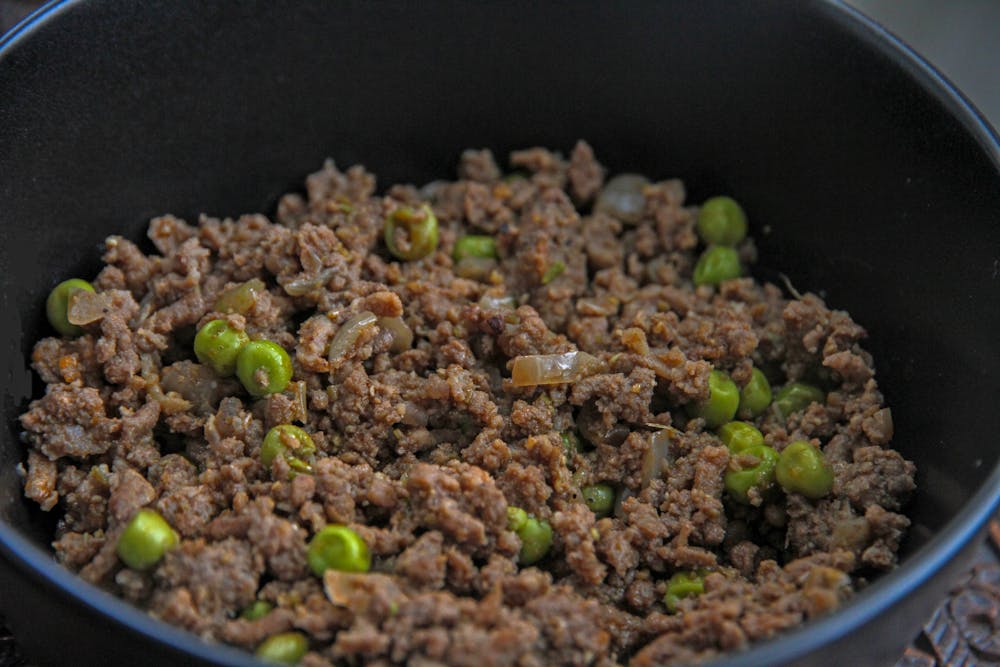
865,178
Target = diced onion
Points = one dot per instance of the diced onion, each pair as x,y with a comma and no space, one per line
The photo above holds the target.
349,333
240,298
489,302
622,197
402,334
301,286
475,268
657,456
597,307
535,369
86,307
623,494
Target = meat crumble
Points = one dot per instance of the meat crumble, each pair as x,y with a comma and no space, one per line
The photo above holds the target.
516,428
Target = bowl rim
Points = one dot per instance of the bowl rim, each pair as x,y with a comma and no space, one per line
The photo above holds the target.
38,565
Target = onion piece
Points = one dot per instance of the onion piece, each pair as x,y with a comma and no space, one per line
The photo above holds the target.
431,191
475,268
657,455
301,286
622,197
597,306
402,334
349,333
623,494
240,298
535,369
86,307
489,302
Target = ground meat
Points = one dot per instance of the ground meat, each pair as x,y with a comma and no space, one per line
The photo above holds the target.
70,421
468,493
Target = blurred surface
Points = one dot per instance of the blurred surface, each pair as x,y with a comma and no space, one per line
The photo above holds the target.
959,37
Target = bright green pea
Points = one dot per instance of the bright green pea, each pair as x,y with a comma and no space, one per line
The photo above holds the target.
755,395
338,548
802,468
145,540
475,245
600,499
286,648
796,396
680,586
240,298
516,518
751,468
536,540
421,226
717,264
263,367
217,345
721,221
723,399
256,610
738,436
291,442
57,305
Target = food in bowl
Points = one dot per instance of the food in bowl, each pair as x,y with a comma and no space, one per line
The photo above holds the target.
542,417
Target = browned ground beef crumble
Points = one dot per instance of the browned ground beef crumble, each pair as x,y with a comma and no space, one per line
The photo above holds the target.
421,451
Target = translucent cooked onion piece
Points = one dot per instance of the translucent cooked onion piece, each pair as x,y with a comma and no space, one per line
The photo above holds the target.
402,334
489,302
301,286
535,369
475,268
623,494
86,307
622,197
240,298
349,333
657,457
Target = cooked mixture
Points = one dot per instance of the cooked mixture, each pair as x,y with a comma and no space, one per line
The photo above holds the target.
540,418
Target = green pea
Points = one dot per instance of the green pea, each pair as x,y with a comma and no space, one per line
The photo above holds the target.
286,648
338,548
256,610
536,540
240,298
421,227
738,436
755,395
217,344
474,245
145,540
516,518
721,221
751,468
553,271
291,442
803,469
680,586
796,396
723,399
263,367
600,499
57,305
717,264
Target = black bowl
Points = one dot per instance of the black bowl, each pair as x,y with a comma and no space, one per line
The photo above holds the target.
878,182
